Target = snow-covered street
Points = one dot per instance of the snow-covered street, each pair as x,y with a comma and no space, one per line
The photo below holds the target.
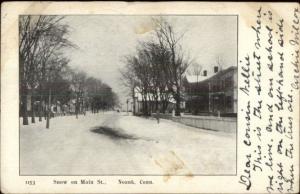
114,143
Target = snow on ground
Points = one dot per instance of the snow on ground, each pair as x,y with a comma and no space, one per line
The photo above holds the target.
116,143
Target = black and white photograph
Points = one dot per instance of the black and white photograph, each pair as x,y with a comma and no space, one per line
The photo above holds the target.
149,97
128,95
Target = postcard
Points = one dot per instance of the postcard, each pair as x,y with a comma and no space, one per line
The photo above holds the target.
149,97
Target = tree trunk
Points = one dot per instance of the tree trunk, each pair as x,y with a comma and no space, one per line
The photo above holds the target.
76,107
156,104
133,100
177,110
45,110
40,108
32,108
49,110
23,91
24,106
164,106
145,105
83,107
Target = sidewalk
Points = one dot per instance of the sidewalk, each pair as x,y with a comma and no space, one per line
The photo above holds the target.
225,124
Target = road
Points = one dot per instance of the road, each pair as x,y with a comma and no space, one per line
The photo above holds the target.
114,143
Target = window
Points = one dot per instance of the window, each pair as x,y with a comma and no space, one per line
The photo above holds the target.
228,102
228,82
216,69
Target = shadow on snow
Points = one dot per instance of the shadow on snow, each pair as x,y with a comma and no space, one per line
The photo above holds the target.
112,133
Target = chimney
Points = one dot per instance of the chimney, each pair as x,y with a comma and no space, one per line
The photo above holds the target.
216,69
204,73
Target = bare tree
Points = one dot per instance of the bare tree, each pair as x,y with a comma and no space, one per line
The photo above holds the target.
30,33
40,37
78,85
195,70
129,79
141,67
53,72
98,95
159,58
157,70
179,62
136,75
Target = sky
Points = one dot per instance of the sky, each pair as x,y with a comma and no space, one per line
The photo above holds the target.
104,40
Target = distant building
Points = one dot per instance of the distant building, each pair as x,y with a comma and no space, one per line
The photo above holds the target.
139,104
212,94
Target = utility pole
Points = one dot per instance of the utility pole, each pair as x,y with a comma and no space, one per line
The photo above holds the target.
133,100
127,105
209,108
49,109
76,105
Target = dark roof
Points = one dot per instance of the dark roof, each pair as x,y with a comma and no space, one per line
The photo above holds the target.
222,72
219,74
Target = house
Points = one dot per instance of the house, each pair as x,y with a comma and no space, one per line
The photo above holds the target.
212,95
